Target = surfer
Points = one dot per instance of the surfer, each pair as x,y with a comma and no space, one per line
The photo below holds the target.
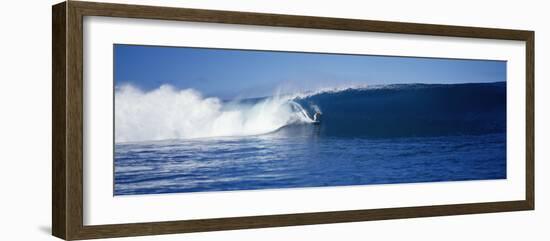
317,117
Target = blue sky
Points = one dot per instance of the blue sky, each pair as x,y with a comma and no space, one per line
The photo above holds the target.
244,73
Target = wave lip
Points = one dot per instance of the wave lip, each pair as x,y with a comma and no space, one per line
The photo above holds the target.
169,113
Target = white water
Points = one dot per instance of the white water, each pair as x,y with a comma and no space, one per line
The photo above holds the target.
169,113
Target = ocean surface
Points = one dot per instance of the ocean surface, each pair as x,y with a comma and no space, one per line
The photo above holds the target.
370,135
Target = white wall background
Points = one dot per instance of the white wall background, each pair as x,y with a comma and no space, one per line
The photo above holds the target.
25,121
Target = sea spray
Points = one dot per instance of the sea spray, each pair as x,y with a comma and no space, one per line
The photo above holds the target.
170,113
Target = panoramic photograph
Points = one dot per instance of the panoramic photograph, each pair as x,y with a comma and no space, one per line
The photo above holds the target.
192,119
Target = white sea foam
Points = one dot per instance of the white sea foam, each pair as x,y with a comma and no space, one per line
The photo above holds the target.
170,113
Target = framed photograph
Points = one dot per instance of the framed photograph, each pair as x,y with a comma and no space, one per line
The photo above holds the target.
171,120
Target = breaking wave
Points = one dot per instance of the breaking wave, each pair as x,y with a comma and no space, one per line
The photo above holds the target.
386,111
170,113
410,110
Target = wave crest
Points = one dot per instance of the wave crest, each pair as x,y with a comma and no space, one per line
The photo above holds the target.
169,113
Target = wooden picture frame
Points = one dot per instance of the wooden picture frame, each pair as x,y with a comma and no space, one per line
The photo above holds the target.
67,100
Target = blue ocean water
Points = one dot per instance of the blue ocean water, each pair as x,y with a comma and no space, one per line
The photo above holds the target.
392,134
